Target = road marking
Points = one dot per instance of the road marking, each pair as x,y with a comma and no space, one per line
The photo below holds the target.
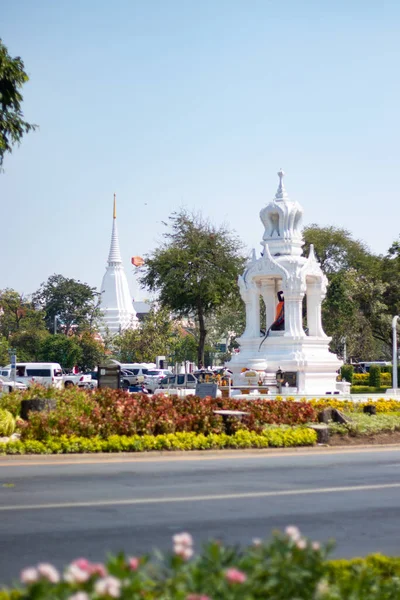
204,498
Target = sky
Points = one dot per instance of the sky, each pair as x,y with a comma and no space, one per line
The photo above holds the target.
195,104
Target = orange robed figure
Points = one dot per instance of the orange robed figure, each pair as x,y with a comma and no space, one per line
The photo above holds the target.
279,323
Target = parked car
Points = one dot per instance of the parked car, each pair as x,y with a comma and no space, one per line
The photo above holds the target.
179,381
7,386
81,380
153,378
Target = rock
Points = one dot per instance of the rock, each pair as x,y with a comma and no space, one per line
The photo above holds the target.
37,405
4,440
338,417
325,415
369,409
322,431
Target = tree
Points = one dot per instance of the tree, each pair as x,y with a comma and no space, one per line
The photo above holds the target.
12,124
194,270
4,352
61,349
92,351
18,314
154,337
76,305
28,344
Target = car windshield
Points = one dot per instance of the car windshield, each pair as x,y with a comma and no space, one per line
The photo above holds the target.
154,372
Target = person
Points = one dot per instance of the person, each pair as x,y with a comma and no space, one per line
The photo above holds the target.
279,323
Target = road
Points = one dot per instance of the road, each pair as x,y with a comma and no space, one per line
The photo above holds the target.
59,508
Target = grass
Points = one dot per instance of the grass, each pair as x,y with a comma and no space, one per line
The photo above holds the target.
362,424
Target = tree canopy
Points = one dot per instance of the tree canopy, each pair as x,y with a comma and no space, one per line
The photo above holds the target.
12,124
76,305
195,269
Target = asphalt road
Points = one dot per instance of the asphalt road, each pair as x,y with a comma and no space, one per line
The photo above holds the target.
56,509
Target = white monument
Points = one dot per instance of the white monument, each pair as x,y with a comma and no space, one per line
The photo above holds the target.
299,345
116,301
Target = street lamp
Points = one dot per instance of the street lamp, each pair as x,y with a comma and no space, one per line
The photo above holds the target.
280,378
394,361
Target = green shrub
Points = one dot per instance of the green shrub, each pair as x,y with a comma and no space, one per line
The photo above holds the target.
366,389
364,424
387,369
273,436
375,376
346,373
286,568
7,423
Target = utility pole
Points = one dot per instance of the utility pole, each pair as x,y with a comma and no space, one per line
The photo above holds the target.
55,324
394,361
343,340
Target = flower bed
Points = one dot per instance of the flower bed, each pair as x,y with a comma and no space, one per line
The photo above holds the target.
287,568
272,437
366,425
115,412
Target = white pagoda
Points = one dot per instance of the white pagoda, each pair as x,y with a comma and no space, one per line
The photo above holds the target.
298,347
116,301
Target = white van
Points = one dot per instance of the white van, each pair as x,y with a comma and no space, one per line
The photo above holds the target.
48,374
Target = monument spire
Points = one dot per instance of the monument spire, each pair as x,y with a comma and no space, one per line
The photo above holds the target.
281,192
114,255
116,300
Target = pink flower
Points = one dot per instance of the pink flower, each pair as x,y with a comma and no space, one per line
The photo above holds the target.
316,546
108,586
29,575
293,532
197,597
183,551
82,563
79,596
235,576
133,563
97,569
184,539
74,574
301,544
48,572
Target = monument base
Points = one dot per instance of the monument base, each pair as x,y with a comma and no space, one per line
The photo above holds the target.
315,366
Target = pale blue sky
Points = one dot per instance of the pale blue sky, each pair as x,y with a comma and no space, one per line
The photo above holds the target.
195,103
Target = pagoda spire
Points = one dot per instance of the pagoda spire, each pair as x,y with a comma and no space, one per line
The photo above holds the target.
114,255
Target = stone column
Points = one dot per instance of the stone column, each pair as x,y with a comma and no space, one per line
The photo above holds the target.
314,301
293,294
268,292
250,294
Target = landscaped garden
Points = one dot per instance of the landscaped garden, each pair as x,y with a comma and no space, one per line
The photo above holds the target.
287,567
114,421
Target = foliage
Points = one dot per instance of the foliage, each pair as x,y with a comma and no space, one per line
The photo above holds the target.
288,567
382,405
4,351
62,349
346,373
18,314
7,423
154,337
273,437
76,305
28,344
106,412
195,269
12,124
363,378
364,424
374,376
92,351
367,389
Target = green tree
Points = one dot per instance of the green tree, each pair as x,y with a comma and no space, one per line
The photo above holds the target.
153,337
12,124
18,314
194,270
62,349
4,352
28,344
93,351
74,304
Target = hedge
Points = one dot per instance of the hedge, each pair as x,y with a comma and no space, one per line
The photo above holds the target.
288,567
272,437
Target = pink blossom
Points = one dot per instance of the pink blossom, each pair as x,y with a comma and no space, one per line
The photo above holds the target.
301,544
82,563
29,575
48,572
184,539
108,586
79,596
197,597
183,551
235,576
316,546
293,532
133,563
97,569
74,574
